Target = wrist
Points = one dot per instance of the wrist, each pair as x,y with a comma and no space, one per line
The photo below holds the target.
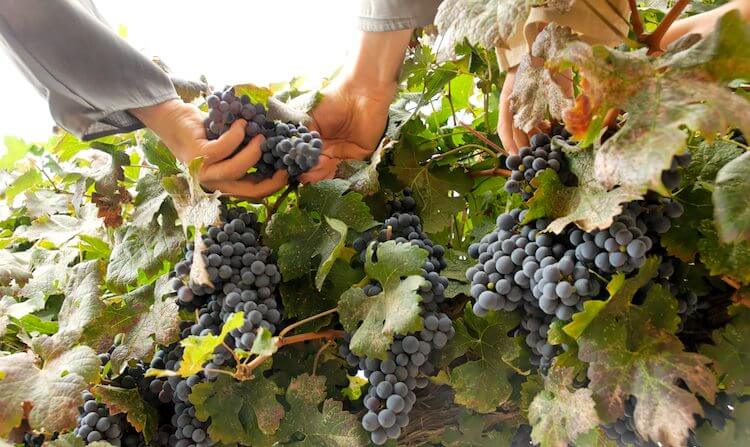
155,116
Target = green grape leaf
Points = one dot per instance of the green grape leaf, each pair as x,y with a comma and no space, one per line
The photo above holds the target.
265,343
71,440
482,384
631,350
723,259
241,412
50,275
44,202
23,183
680,240
142,249
588,205
433,188
78,316
60,229
15,149
732,200
141,416
560,413
317,229
731,359
194,206
393,311
471,433
257,94
330,427
684,87
707,158
145,319
45,389
301,299
199,349
158,154
150,198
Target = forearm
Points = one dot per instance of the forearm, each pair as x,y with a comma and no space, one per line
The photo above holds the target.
704,23
376,63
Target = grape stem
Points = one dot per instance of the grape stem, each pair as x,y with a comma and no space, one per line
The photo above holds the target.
317,355
498,149
653,39
282,197
293,326
490,173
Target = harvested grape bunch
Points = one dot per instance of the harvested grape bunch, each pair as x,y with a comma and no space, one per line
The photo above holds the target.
287,146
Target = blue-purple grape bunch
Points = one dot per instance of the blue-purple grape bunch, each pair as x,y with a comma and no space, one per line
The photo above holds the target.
542,153
95,423
392,381
289,146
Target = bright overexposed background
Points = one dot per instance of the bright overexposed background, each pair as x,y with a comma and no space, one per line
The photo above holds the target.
229,42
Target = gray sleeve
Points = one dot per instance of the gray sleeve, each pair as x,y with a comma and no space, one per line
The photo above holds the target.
90,77
394,15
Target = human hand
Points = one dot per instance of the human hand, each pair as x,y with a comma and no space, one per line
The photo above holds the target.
180,127
511,137
351,119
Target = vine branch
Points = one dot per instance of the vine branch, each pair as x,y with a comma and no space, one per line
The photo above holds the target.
635,19
489,142
653,39
490,173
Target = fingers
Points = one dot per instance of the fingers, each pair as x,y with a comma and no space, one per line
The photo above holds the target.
250,188
505,129
325,169
235,167
223,147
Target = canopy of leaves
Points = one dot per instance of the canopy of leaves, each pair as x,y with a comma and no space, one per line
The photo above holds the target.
304,425
313,235
684,87
393,311
631,350
560,413
482,385
244,412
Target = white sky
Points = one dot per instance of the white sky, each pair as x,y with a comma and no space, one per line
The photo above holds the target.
194,37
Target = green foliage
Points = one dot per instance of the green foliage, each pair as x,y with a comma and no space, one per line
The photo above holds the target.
392,312
729,351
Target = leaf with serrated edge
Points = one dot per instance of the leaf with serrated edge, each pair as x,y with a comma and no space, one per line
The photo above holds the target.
632,351
482,385
53,391
731,359
589,205
193,205
331,427
535,92
119,400
199,349
317,228
560,413
151,196
732,200
723,259
686,87
393,311
144,319
142,249
241,412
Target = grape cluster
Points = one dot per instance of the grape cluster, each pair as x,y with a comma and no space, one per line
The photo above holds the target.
96,424
287,146
393,380
294,148
544,152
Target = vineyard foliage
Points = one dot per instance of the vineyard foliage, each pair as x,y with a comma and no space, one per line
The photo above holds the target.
91,233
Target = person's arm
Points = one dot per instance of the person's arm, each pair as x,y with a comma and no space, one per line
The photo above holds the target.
90,77
704,23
